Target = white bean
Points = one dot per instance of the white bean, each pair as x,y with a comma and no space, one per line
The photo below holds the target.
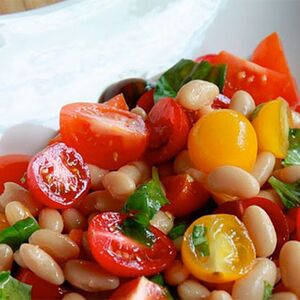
97,175
289,262
284,296
140,112
6,257
120,185
261,230
133,172
73,219
289,174
182,162
192,290
296,119
105,202
197,175
57,245
242,102
252,285
144,169
232,181
163,221
51,219
73,296
221,198
89,276
42,264
219,295
176,273
18,259
15,211
263,167
196,94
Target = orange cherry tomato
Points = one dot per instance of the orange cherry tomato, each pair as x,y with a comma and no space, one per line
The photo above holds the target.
117,101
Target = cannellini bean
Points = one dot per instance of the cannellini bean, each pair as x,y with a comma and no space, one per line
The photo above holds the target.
176,273
252,285
296,119
196,94
197,175
42,264
97,175
232,181
221,198
284,296
261,230
133,172
57,245
73,219
140,112
88,276
3,221
163,221
144,169
18,259
289,174
15,192
204,111
73,296
192,290
242,102
6,257
182,162
51,219
271,195
219,295
289,262
263,167
15,211
120,185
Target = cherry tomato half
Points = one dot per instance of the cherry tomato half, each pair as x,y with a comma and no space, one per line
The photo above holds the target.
57,176
169,127
117,101
146,101
105,136
123,256
184,193
13,168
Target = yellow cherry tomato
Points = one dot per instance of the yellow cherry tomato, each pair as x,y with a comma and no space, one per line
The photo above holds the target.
230,255
271,121
223,137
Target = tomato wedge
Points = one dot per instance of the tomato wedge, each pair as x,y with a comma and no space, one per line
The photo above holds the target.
294,215
105,136
117,101
146,101
123,256
169,128
58,177
262,83
13,168
185,195
140,288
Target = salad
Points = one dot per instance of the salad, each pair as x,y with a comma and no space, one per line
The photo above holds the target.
188,188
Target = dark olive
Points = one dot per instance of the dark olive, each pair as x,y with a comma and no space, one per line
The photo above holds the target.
132,89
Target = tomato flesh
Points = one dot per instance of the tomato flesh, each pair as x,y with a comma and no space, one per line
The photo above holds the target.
146,101
58,177
105,136
117,101
123,256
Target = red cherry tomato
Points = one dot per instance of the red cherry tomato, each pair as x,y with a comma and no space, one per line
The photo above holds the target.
13,168
140,288
117,101
221,101
294,217
146,101
41,289
55,139
123,256
208,57
105,136
58,177
185,195
169,128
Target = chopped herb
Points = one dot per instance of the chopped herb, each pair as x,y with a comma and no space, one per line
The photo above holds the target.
184,71
23,179
288,192
158,278
19,233
143,204
199,241
11,288
267,290
293,154
177,231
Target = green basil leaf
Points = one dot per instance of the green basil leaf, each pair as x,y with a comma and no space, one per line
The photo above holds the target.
158,279
199,241
186,70
11,288
293,154
288,192
177,231
19,233
267,290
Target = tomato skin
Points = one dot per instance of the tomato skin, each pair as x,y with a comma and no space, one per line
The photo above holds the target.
56,139
140,287
112,249
263,84
146,101
169,126
58,177
41,289
185,195
117,101
208,57
294,215
13,168
221,101
105,136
